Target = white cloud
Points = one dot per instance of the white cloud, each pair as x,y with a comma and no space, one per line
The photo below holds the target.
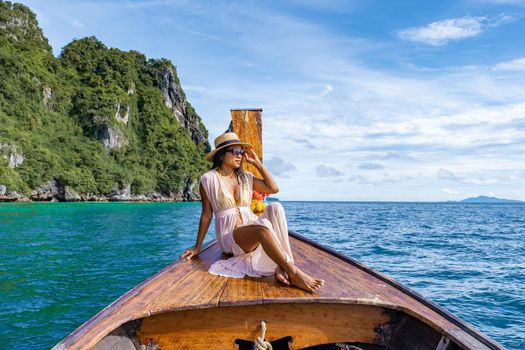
502,19
279,167
371,166
444,174
325,103
480,180
441,32
327,171
517,64
378,179
481,177
449,191
327,89
461,118
360,179
77,23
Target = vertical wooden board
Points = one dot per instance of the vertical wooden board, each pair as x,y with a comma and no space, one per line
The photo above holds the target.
247,123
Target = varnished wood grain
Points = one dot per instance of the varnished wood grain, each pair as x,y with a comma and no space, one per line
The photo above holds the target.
183,293
339,283
242,291
308,324
188,286
388,294
247,123
137,303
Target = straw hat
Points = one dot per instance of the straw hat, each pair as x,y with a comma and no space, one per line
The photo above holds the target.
225,140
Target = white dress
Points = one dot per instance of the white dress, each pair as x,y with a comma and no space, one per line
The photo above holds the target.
226,212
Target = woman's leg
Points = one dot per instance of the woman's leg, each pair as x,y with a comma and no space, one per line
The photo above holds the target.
274,213
249,237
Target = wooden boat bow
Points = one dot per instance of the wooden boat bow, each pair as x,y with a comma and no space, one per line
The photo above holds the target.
183,306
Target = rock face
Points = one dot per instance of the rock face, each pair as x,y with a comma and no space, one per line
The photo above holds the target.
172,94
176,101
122,114
46,192
190,194
110,136
20,25
53,191
120,194
92,117
69,195
12,154
47,94
13,197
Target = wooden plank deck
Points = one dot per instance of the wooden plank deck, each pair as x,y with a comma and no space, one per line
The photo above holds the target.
187,285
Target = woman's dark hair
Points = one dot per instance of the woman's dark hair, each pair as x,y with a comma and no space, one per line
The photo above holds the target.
217,161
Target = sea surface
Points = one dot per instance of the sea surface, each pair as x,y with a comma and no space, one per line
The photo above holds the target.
60,263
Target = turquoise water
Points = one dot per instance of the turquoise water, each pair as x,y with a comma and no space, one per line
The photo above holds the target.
63,262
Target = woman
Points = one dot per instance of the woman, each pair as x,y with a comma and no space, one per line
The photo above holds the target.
260,245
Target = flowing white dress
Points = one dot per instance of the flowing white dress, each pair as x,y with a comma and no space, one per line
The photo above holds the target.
227,211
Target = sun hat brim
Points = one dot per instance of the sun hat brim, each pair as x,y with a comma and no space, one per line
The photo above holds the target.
209,156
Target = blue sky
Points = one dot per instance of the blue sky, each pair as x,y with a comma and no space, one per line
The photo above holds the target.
363,100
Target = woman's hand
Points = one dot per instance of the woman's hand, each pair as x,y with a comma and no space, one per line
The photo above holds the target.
252,158
190,253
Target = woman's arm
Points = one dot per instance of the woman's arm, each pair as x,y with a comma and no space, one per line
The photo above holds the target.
267,184
204,225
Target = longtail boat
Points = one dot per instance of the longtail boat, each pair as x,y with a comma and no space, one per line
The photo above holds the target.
185,307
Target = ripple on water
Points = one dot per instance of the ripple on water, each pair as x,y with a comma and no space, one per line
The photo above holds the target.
63,262
464,257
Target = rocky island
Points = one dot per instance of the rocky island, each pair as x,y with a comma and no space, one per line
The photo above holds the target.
94,123
486,199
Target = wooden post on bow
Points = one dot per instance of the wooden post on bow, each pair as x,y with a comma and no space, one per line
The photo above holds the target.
247,123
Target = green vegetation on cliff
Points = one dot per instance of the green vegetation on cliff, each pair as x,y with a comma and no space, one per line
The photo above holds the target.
92,119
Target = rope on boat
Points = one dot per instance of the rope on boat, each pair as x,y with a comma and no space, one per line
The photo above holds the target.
260,343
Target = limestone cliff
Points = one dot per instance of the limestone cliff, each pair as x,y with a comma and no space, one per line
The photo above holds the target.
95,123
175,100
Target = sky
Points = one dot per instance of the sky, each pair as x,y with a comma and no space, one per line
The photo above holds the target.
362,100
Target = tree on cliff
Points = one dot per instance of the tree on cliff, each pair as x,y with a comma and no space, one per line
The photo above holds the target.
95,119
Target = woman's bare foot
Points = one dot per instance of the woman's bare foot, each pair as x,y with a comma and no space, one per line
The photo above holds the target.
281,275
300,279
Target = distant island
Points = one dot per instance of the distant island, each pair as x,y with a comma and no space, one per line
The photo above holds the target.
486,199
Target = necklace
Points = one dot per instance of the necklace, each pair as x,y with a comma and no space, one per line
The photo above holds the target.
230,177
226,176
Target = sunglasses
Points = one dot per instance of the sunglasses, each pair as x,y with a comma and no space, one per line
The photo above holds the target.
236,151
